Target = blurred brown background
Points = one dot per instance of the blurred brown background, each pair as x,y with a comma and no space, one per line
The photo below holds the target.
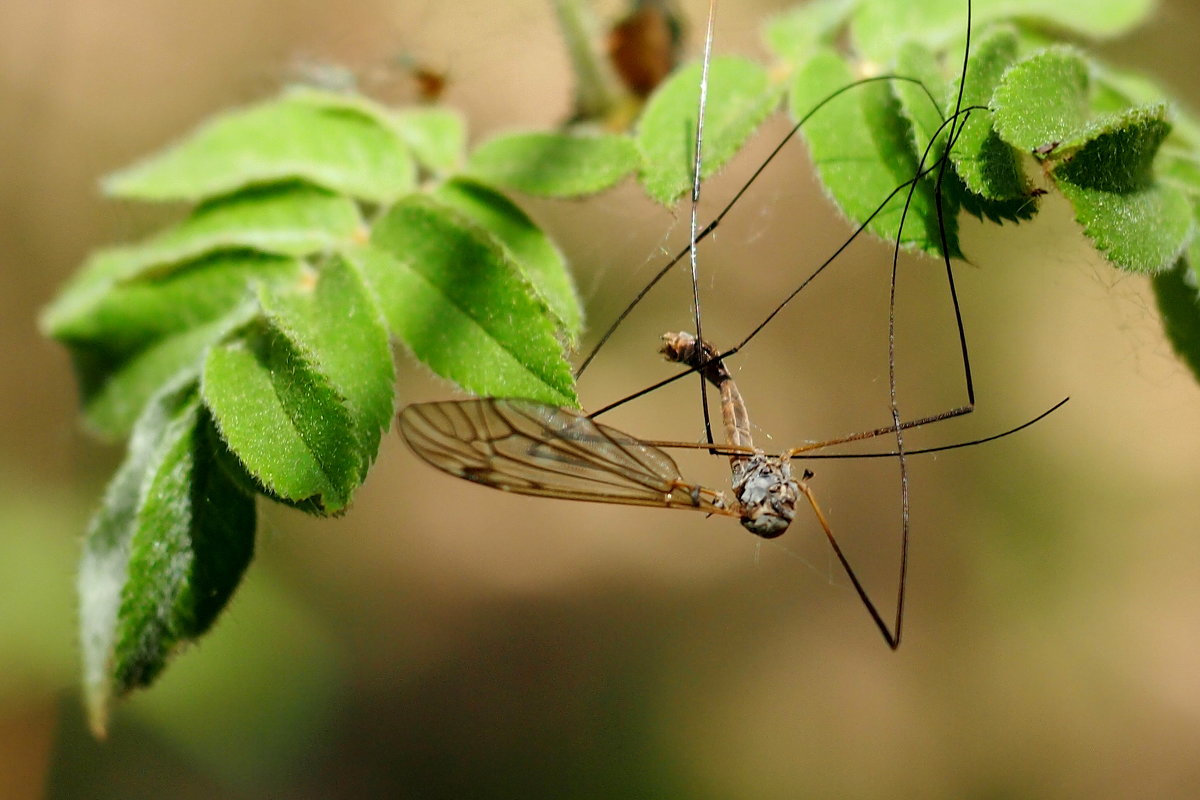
443,640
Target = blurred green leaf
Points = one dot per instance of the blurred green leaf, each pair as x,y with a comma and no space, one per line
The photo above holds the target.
87,288
1117,90
881,27
542,263
740,97
112,406
1179,304
921,102
127,314
554,164
162,556
794,34
437,137
345,148
1181,169
129,338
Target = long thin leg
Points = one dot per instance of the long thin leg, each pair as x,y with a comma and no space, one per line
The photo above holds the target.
871,434
697,161
897,425
807,450
892,638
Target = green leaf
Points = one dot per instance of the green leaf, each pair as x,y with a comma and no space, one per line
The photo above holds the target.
862,148
103,568
1043,100
345,148
921,103
473,352
1140,225
1001,193
1104,166
1120,155
740,97
283,419
342,101
454,297
1178,164
193,541
795,33
124,297
122,389
130,337
1141,231
292,219
988,166
1118,90
542,263
554,164
162,556
333,318
1015,209
880,27
1193,254
1098,19
1180,169
87,288
437,137
114,303
1179,305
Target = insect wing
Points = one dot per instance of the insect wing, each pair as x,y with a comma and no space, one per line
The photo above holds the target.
538,449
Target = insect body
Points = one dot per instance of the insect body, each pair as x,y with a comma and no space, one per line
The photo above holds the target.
764,487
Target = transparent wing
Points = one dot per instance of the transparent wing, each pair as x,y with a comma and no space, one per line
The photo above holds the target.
533,448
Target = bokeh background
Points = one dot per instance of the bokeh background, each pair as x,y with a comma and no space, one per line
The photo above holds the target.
444,640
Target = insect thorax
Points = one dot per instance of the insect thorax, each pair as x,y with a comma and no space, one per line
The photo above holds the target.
767,494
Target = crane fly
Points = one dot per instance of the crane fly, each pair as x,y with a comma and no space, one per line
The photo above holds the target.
533,448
